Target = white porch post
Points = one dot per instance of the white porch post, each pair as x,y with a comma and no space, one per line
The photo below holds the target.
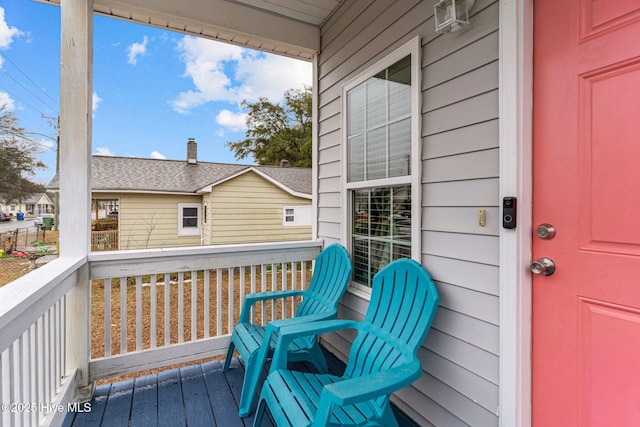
76,64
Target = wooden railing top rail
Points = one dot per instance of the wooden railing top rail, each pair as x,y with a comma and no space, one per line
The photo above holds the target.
163,260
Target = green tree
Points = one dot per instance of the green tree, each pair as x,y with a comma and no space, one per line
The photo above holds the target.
17,160
277,132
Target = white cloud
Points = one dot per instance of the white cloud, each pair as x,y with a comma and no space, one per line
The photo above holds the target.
7,33
223,72
6,102
231,120
136,50
46,143
96,100
270,76
104,151
158,155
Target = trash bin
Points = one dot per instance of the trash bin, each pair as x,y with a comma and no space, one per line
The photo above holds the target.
47,223
20,216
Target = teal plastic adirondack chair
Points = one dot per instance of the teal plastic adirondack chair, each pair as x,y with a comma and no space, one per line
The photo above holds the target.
383,357
255,343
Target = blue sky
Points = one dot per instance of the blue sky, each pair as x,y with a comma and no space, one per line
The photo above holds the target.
153,89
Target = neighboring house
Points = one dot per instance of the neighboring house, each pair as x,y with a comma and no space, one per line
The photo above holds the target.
32,205
166,203
526,117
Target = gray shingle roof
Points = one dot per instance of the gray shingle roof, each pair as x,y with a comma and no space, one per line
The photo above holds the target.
176,176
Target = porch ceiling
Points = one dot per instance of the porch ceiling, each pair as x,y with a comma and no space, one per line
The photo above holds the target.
286,27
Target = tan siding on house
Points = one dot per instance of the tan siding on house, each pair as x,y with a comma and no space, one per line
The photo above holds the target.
248,208
151,220
459,176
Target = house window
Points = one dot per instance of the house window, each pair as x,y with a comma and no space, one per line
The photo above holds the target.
289,217
296,216
188,219
382,150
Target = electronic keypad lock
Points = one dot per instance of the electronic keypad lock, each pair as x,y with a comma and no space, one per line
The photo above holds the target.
509,212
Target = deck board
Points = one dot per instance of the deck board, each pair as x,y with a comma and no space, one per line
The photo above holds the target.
144,407
197,409
192,396
170,399
222,402
119,404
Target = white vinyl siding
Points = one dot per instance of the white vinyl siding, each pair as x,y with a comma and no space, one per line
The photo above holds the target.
150,220
459,175
249,209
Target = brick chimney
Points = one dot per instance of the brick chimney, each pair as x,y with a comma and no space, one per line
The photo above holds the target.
192,152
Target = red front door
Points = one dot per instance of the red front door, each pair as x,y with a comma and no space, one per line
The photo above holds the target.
586,316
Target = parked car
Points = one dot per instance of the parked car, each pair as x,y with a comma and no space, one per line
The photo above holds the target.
5,216
38,222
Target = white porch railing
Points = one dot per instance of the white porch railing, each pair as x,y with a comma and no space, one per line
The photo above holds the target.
179,305
153,308
35,379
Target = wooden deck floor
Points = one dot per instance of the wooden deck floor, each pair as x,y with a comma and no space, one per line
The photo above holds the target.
192,396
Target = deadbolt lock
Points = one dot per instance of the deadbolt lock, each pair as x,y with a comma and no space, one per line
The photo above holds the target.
546,231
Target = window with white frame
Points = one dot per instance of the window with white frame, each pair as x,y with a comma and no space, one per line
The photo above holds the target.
188,219
296,215
382,148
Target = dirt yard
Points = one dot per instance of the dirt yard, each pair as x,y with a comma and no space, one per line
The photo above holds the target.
12,268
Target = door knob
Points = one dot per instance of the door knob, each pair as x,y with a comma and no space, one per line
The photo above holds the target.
544,266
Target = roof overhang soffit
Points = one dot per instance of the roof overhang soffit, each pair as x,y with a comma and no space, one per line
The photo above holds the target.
220,20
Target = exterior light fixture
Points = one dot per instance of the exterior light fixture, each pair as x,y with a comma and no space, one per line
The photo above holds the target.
452,15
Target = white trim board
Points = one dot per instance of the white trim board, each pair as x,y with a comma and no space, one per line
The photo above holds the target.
516,95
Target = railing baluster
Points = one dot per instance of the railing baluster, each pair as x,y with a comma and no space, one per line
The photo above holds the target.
57,367
54,350
63,338
15,371
218,301
107,317
253,291
40,330
153,308
47,351
4,415
33,367
231,293
241,290
123,315
181,307
274,287
167,310
8,372
206,274
303,275
194,305
284,287
23,361
263,280
138,313
294,286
